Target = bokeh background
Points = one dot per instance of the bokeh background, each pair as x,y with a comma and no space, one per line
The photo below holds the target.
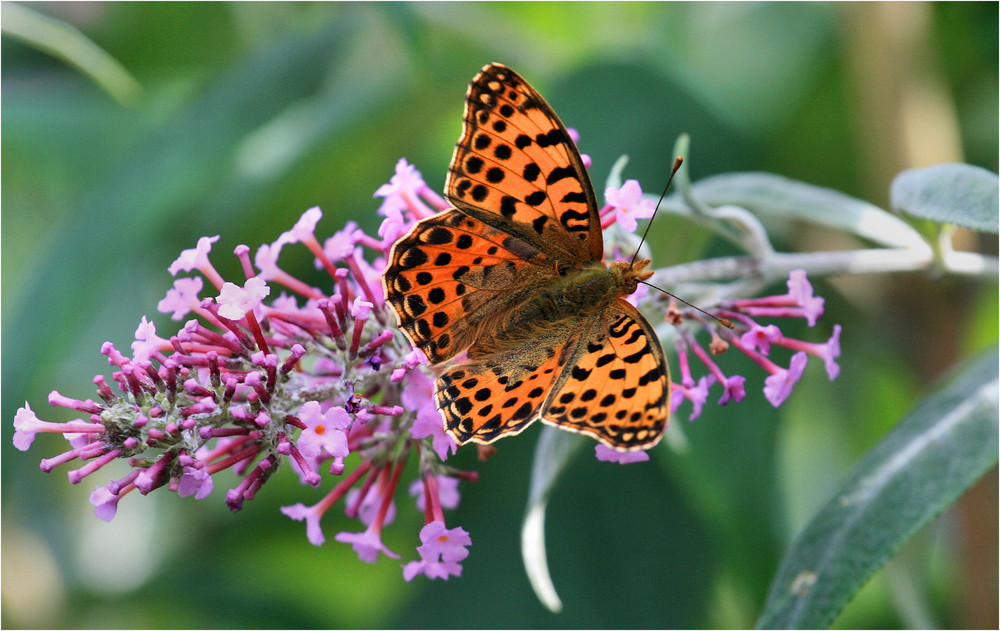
231,119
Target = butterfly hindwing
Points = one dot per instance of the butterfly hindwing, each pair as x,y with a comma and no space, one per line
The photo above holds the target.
616,387
491,396
516,166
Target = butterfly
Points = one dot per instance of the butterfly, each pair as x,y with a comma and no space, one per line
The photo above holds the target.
509,292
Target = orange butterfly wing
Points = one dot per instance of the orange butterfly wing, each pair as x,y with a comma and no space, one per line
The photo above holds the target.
618,387
516,167
500,394
451,274
609,381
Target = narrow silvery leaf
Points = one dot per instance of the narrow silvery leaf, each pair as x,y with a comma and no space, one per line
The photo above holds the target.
768,194
932,456
553,452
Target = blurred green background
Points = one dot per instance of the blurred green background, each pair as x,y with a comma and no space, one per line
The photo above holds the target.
244,115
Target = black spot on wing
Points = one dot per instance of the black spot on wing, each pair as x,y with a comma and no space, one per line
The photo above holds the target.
560,173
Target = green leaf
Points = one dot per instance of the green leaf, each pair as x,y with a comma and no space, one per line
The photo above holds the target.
766,194
65,42
171,176
553,452
961,194
933,455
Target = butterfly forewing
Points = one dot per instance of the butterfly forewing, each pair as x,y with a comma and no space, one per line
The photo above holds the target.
515,165
451,273
616,387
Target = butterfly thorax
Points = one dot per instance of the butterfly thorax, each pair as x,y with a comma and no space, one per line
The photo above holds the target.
575,295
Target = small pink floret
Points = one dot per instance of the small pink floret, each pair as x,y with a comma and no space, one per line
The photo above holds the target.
105,503
194,258
439,541
311,515
607,454
235,301
26,425
778,386
366,544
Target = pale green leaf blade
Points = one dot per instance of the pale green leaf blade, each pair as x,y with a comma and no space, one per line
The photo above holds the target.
553,453
961,194
933,455
767,194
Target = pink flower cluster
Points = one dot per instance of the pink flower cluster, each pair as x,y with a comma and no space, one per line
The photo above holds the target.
754,340
626,204
322,380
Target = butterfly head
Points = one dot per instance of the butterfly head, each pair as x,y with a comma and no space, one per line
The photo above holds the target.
629,275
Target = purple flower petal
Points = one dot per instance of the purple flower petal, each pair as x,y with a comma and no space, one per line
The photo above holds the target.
311,515
778,386
105,503
367,544
607,454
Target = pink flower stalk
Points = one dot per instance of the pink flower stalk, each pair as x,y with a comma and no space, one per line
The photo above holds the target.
798,302
365,503
368,544
695,392
312,514
27,425
266,260
218,395
446,488
322,379
828,352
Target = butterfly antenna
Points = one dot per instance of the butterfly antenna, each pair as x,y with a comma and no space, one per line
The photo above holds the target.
723,321
677,165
